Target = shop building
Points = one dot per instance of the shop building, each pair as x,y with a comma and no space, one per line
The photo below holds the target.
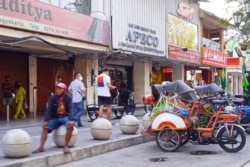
41,48
138,40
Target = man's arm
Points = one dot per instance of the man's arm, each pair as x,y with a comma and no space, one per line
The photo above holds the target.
111,86
49,107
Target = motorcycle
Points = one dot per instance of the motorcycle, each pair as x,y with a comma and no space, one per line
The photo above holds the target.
177,121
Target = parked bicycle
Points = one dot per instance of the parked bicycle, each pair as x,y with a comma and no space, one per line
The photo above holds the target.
127,105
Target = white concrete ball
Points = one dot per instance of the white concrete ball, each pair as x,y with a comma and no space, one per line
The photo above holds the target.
129,124
16,143
101,129
59,136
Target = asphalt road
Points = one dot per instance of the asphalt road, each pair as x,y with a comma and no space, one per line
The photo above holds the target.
149,155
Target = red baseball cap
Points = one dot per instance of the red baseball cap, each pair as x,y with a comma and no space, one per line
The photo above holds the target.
61,85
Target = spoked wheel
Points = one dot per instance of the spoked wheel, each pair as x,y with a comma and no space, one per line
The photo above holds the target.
169,140
92,111
246,120
232,140
184,138
129,109
119,113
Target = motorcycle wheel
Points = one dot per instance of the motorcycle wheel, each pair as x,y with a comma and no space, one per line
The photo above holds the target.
92,113
246,120
119,113
232,142
129,109
169,140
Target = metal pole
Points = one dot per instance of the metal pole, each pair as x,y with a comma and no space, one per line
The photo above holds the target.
8,113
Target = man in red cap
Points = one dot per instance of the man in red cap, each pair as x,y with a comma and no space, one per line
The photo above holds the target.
59,112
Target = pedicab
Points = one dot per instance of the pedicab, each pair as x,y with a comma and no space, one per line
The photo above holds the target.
174,120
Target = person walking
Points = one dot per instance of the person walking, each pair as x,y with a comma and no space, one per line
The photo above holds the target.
59,112
20,98
8,89
103,85
77,90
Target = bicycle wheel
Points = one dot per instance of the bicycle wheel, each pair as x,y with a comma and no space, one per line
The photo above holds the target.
92,111
129,109
119,113
246,120
169,140
233,141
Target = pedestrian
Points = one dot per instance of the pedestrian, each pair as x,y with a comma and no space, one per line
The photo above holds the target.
77,90
20,94
103,85
8,95
59,112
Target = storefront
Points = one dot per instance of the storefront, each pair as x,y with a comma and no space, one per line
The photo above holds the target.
183,40
138,39
41,49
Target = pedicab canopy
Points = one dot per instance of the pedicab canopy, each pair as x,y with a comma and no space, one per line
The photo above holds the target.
180,88
208,90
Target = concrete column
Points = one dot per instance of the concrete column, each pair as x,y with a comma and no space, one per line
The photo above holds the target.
32,83
141,78
178,72
85,66
234,90
97,9
240,87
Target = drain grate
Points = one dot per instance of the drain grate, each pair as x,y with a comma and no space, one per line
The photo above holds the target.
202,152
158,159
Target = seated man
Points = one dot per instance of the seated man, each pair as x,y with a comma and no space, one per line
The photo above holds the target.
59,112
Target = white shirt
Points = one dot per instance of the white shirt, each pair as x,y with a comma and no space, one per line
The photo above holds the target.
102,85
76,87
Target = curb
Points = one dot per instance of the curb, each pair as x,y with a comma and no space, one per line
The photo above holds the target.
58,158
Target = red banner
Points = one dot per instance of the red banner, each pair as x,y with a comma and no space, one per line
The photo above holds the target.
178,54
40,17
213,58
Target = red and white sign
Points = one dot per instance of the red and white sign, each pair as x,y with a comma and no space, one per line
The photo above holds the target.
213,58
40,17
176,53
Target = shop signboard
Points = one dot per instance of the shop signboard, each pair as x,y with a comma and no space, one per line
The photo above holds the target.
213,58
182,34
32,15
135,29
178,54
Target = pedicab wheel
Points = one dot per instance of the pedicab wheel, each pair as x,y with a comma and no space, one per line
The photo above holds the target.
169,140
129,109
92,111
232,142
246,120
184,138
118,113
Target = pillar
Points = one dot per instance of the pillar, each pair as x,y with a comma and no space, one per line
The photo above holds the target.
32,83
240,87
178,72
89,69
97,9
141,78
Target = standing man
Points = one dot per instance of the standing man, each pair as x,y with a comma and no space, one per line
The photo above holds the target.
7,88
103,85
59,112
77,90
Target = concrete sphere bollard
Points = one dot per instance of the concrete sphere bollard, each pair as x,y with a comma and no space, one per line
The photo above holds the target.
59,136
101,129
16,143
129,124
